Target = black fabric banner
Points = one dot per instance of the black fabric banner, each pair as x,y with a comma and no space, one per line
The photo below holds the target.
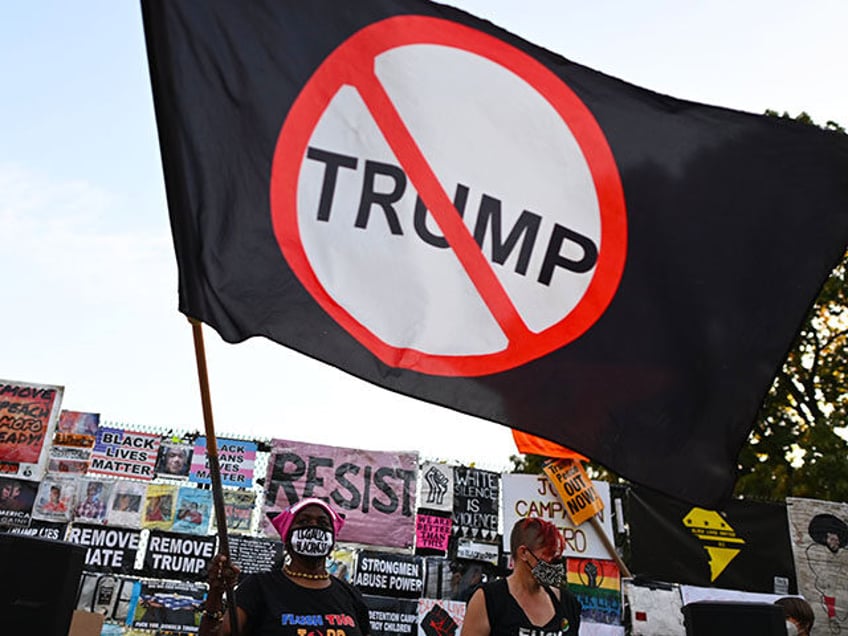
432,204
395,575
476,496
254,555
109,549
745,546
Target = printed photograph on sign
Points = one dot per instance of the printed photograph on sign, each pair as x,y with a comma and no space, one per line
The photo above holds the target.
28,414
55,499
238,507
68,460
159,506
194,508
168,606
174,460
91,499
76,428
17,497
127,503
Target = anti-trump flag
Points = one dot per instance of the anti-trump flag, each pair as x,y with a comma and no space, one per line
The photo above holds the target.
434,205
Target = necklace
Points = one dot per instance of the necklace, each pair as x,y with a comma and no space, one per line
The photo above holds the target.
307,575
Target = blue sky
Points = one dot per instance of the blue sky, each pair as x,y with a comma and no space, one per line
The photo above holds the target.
89,277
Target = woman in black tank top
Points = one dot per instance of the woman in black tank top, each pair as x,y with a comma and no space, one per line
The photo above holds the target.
530,601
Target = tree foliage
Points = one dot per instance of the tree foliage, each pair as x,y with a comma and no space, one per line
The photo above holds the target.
798,445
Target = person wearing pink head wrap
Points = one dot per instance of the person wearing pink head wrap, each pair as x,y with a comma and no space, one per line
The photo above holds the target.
301,594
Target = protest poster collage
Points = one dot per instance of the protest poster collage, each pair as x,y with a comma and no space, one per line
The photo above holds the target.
420,535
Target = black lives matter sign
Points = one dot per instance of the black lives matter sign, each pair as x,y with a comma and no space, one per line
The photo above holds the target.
482,195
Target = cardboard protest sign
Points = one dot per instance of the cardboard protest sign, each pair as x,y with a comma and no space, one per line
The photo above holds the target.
194,508
126,504
534,496
173,460
432,533
167,606
159,506
109,549
76,428
55,499
17,497
436,487
374,489
235,459
475,502
28,414
253,555
439,617
392,616
123,453
384,574
170,555
574,488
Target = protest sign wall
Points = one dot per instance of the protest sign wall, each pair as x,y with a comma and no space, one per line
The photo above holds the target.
109,549
121,453
235,459
534,496
28,414
375,489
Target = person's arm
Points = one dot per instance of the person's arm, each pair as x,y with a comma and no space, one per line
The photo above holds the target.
476,621
215,620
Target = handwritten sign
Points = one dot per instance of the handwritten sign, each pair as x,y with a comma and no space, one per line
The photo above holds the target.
534,496
235,459
475,502
123,453
432,532
374,489
28,414
574,488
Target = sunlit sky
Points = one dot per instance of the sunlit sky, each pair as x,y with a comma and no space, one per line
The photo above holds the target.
88,298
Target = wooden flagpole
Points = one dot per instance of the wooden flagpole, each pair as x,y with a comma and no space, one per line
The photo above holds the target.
212,458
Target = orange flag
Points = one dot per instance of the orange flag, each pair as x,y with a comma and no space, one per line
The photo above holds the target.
532,445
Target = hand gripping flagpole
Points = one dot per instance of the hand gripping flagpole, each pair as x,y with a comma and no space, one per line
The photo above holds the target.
212,458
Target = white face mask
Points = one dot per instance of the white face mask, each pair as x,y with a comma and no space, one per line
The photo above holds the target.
312,541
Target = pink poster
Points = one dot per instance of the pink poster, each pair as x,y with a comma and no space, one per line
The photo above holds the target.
432,532
375,490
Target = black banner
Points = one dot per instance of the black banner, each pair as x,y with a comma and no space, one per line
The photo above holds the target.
395,575
745,546
109,549
170,555
41,529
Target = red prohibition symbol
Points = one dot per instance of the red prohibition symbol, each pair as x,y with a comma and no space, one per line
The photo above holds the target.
352,65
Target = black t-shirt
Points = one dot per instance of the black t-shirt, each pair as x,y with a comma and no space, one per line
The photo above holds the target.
276,606
506,618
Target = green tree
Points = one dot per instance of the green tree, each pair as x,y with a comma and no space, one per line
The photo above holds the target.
798,445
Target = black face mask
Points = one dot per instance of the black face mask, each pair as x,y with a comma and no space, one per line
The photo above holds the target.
312,541
551,574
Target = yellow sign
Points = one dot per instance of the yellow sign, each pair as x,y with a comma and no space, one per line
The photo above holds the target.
718,536
575,489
